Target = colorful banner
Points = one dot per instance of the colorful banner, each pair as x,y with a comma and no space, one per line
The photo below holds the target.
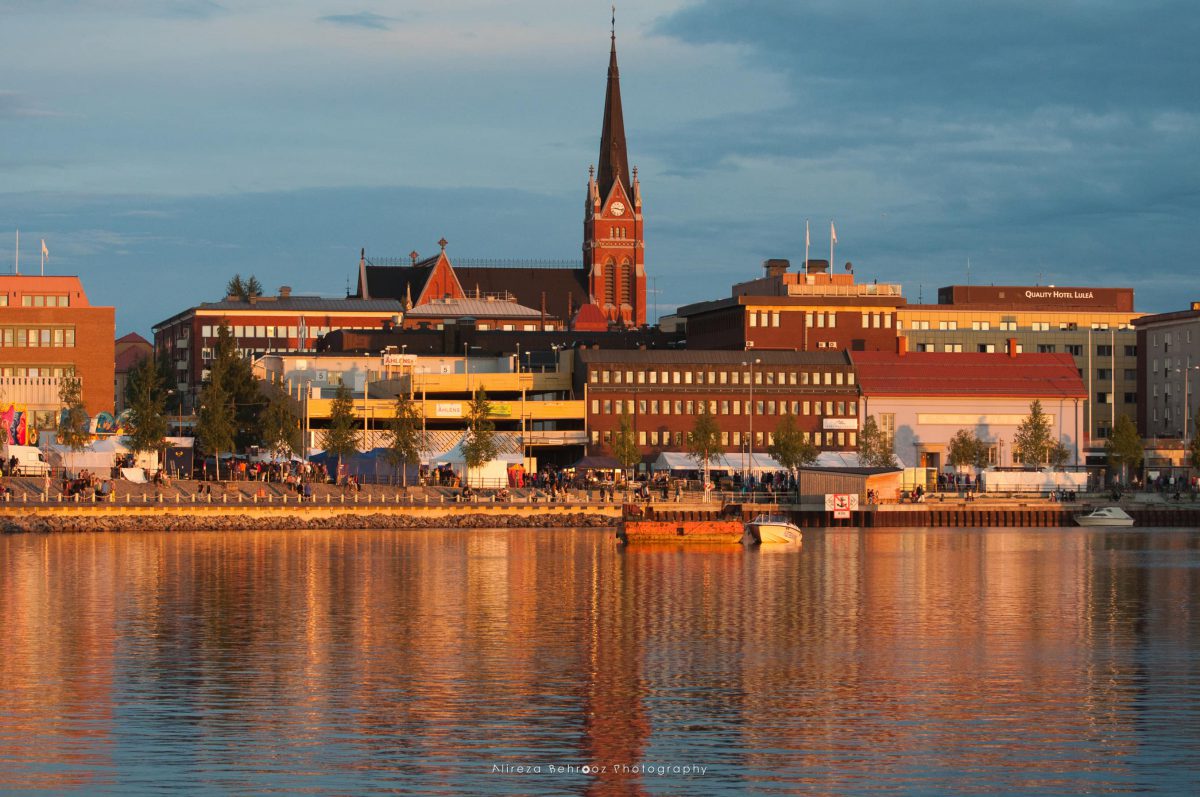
14,419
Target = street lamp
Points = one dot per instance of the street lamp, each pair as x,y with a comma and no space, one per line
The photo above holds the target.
750,438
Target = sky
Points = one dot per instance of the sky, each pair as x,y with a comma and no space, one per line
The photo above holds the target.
161,146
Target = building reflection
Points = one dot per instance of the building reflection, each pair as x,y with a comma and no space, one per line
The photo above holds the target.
429,657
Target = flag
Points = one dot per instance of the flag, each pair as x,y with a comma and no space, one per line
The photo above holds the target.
45,251
832,233
807,241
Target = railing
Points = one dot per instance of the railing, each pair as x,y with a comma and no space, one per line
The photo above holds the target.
482,262
873,289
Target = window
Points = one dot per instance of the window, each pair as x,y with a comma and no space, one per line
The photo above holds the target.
887,425
206,331
641,377
1131,373
1040,326
1074,349
945,325
595,406
607,407
774,319
1046,348
1008,324
1131,398
1131,351
920,325
753,318
986,348
1104,350
1103,398
1008,348
641,407
950,347
1104,373
981,325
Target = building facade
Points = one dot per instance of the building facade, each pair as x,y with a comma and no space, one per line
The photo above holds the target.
282,323
49,331
130,350
813,310
921,399
746,393
1093,325
1168,366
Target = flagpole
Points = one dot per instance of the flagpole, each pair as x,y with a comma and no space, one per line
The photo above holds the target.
832,239
43,257
806,241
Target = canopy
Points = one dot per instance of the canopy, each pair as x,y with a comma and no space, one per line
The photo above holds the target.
597,462
735,463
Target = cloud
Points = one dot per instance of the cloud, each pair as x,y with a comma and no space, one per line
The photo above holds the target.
363,19
14,105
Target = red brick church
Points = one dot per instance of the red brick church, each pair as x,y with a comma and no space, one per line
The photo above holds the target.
609,290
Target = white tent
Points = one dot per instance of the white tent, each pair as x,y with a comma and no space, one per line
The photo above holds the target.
490,474
98,456
735,463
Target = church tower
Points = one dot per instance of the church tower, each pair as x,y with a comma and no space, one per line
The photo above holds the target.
613,248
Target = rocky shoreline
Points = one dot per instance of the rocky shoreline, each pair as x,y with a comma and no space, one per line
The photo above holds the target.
291,521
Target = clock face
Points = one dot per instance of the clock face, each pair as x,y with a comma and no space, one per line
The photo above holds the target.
618,209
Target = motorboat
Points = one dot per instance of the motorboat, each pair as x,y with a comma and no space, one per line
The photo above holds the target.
1105,516
771,530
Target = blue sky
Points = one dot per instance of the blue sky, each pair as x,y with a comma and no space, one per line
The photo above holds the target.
160,146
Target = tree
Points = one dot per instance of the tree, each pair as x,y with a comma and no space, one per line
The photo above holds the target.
1033,442
404,436
279,423
73,420
704,444
1124,447
341,438
874,447
792,448
146,398
624,443
967,450
243,289
215,421
1194,448
480,445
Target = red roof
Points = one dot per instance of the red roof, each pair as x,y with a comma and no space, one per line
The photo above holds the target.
132,337
967,374
590,318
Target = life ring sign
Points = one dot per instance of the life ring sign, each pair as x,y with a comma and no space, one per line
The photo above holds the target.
841,504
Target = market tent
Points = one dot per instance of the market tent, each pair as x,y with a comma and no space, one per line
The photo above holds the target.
735,463
597,462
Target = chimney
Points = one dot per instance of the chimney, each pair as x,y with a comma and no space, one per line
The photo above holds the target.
1012,348
285,291
901,345
776,267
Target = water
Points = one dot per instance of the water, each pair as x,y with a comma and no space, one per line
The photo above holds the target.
907,661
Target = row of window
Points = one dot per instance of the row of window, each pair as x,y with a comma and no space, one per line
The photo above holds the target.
39,300
761,439
37,337
37,370
1007,325
1186,335
723,407
761,377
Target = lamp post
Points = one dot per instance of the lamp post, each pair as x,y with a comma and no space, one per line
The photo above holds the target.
750,436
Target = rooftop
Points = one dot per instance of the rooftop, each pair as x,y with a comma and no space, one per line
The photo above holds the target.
968,374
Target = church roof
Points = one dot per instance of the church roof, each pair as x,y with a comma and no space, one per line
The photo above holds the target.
396,282
614,157
562,286
474,308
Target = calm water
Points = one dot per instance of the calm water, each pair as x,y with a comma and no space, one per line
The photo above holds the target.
908,661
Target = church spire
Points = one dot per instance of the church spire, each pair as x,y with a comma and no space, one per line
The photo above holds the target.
614,160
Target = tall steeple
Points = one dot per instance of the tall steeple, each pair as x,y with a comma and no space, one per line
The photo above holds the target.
614,160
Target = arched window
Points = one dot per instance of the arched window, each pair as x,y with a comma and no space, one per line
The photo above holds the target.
610,282
627,287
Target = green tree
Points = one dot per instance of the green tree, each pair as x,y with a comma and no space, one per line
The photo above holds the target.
480,445
341,438
792,448
966,450
874,447
243,289
1033,442
215,420
624,443
404,436
1124,447
704,443
1194,447
73,419
146,399
279,422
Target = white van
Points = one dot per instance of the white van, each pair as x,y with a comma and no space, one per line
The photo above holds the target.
30,461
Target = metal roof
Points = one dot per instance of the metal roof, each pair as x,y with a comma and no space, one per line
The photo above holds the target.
711,357
476,308
968,374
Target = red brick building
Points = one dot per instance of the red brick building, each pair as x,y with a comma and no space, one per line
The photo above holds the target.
798,311
610,286
49,330
747,394
282,323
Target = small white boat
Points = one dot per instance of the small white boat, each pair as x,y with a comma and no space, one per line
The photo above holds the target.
1105,516
771,529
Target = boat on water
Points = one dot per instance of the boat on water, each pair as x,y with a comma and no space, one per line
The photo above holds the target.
771,530
1105,516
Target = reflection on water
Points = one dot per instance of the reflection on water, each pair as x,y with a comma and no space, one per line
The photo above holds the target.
931,661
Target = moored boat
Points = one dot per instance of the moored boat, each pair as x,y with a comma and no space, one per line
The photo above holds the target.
1105,516
771,530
